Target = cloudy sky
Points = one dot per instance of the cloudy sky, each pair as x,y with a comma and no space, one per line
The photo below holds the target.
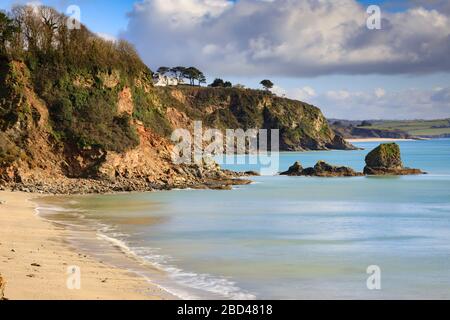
319,51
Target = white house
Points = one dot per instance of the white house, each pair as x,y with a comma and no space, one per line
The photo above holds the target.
164,81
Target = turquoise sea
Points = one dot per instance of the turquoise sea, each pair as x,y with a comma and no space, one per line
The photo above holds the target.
283,237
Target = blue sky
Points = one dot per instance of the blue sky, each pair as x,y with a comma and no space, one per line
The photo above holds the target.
110,16
104,16
369,89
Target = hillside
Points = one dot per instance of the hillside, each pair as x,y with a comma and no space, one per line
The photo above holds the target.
401,129
418,128
354,130
302,126
80,114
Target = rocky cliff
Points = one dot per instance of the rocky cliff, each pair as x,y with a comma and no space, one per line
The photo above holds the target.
81,114
116,133
302,126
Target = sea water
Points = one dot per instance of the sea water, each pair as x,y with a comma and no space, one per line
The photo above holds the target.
289,237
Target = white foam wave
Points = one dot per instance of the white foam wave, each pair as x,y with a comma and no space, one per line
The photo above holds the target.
216,285
184,281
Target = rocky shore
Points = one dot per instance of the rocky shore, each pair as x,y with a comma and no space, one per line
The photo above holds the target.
383,160
186,177
321,169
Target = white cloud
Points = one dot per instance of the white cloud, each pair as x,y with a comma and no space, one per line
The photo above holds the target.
181,14
339,95
304,94
380,92
404,104
107,37
279,91
379,103
288,37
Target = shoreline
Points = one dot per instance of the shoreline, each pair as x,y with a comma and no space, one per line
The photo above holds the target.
35,256
376,140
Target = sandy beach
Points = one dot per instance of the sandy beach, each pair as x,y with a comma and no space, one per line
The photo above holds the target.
34,261
376,140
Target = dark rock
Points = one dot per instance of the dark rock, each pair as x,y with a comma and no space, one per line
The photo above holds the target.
295,170
321,169
251,173
391,172
386,155
386,160
308,172
339,143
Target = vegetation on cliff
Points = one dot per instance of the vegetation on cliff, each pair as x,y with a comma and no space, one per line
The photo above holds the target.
302,126
75,105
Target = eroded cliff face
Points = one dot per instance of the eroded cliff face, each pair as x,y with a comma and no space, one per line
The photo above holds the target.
302,126
102,131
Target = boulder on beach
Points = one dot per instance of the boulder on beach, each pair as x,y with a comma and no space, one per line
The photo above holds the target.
321,169
386,160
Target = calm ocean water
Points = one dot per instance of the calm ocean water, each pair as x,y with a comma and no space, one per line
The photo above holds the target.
289,237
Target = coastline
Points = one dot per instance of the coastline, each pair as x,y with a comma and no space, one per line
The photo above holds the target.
34,257
376,140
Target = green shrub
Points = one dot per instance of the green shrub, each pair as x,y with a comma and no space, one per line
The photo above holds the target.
8,151
150,114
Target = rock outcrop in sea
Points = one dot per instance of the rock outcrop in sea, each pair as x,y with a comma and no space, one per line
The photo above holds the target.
383,160
386,160
321,169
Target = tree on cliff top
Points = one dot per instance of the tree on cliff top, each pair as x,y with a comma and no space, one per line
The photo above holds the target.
178,72
7,30
267,84
163,70
217,83
39,36
193,74
220,83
